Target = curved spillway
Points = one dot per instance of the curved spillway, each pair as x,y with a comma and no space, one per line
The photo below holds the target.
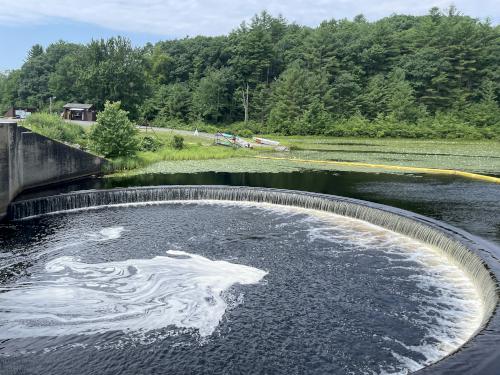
461,248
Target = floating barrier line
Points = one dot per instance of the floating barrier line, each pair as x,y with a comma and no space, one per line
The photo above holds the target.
453,172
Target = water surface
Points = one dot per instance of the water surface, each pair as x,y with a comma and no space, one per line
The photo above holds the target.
470,205
212,287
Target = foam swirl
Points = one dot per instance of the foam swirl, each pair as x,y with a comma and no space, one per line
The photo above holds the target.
180,289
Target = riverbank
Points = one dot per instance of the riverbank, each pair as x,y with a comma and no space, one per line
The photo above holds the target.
376,155
329,153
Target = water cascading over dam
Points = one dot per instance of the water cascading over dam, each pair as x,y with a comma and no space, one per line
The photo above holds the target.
458,248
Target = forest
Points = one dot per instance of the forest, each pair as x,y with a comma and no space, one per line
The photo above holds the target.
431,76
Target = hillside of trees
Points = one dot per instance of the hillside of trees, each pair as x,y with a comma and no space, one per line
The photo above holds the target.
436,75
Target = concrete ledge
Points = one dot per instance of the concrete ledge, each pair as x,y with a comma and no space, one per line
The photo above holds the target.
29,159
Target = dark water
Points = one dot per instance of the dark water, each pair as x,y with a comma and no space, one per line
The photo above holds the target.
339,296
470,205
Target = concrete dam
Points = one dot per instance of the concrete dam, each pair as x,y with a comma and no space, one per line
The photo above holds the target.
29,160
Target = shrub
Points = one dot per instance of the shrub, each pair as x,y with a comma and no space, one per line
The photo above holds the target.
149,143
52,126
250,128
177,142
442,125
123,163
114,135
162,122
245,133
202,127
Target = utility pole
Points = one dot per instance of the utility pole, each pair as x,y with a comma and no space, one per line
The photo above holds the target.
245,103
50,103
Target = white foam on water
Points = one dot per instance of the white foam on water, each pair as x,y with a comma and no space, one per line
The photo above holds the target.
116,298
111,233
181,289
457,308
450,317
105,234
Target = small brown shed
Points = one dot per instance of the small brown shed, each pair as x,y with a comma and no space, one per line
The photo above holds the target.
79,112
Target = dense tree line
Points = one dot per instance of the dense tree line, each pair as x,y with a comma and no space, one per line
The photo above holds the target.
411,72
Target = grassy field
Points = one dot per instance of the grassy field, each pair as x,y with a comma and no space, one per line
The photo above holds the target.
472,156
193,150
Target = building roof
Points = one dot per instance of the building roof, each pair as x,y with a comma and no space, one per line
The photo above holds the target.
78,105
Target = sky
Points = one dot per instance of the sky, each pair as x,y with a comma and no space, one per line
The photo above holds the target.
24,23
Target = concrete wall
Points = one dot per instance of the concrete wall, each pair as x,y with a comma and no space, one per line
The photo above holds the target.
28,160
4,168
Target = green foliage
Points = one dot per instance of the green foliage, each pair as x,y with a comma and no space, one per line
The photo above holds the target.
201,127
486,112
254,56
300,96
314,120
102,70
443,125
114,135
112,70
8,90
384,78
190,152
162,122
149,143
34,76
401,102
346,92
212,98
374,100
169,103
246,129
177,142
245,133
54,127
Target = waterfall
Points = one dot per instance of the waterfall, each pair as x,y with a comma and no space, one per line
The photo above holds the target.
457,246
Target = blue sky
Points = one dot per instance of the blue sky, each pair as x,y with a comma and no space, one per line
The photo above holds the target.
27,22
16,40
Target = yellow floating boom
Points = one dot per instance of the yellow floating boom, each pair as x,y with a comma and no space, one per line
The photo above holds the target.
453,172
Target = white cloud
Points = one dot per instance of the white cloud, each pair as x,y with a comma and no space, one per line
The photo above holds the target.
212,17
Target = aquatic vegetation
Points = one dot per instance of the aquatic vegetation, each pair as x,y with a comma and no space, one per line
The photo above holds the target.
472,156
146,159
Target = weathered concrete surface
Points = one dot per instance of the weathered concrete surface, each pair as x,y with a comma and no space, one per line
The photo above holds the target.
28,160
